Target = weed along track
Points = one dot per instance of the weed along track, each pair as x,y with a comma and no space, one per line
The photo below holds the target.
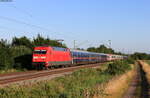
15,78
139,87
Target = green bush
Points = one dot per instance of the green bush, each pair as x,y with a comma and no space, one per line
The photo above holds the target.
22,57
118,67
6,60
130,60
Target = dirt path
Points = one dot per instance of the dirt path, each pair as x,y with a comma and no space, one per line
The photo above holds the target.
139,87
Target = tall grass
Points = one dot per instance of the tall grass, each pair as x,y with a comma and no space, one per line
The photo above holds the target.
72,86
79,84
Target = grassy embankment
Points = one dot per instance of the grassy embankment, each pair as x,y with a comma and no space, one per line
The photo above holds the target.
146,67
147,61
117,86
82,83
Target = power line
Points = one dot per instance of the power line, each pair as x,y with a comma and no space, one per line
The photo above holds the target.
28,24
7,28
22,11
83,43
22,22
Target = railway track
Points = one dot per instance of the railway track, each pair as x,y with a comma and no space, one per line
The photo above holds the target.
7,79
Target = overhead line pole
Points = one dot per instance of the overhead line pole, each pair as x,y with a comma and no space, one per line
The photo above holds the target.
109,43
74,43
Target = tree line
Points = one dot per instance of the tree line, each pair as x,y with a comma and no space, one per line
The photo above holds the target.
103,49
140,56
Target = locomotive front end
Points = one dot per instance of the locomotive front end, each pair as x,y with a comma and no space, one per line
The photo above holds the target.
40,57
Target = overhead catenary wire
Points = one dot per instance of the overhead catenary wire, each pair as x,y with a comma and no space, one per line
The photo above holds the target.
83,43
7,28
22,11
24,23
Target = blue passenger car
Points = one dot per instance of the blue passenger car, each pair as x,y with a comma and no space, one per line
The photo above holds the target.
83,57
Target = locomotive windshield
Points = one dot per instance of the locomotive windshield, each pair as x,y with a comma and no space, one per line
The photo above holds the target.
40,51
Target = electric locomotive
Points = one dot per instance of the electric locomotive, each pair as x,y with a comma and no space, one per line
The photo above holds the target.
45,56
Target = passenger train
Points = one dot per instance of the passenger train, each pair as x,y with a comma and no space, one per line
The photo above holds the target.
47,56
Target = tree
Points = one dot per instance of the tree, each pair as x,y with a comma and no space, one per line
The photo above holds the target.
6,59
101,49
22,41
22,57
140,56
92,49
41,41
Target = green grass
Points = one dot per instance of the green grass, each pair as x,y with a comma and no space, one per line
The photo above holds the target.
10,71
79,84
147,61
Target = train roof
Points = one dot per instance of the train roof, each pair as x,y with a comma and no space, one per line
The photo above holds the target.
73,50
82,51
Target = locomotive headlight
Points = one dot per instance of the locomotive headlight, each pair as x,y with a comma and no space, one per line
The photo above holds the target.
35,57
43,57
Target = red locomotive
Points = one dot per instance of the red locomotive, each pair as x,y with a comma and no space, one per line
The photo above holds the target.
49,56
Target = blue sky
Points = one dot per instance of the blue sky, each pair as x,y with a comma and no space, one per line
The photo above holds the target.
90,22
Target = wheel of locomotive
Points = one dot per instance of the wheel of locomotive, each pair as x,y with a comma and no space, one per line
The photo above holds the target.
46,68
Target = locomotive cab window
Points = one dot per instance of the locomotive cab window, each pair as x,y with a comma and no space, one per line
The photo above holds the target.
40,51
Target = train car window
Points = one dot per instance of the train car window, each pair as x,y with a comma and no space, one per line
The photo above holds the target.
79,54
74,54
40,51
86,55
82,54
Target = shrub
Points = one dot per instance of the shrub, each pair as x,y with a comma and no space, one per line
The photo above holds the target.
130,60
6,59
118,67
22,57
